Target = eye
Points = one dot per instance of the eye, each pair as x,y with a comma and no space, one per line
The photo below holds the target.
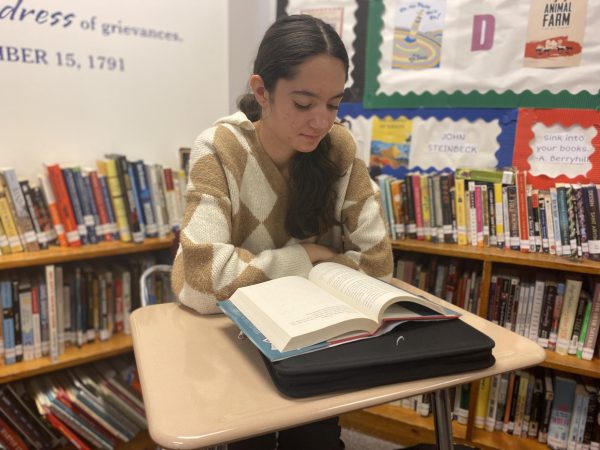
302,107
333,107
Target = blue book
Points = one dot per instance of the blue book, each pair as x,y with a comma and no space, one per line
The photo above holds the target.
562,411
136,196
85,199
146,207
44,317
112,219
82,230
8,323
87,186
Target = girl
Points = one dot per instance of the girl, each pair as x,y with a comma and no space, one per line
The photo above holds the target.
276,188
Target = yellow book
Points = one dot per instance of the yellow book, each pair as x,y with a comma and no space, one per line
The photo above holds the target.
461,211
108,168
9,225
482,402
4,245
499,215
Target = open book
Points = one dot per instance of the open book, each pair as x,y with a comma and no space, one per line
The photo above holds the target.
335,304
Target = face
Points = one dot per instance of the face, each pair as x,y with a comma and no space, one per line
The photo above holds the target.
298,113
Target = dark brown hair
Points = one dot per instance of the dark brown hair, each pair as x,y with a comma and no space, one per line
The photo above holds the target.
289,42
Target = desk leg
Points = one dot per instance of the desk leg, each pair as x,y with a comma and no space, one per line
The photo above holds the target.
442,419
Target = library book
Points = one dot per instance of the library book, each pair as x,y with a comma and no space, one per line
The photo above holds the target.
333,305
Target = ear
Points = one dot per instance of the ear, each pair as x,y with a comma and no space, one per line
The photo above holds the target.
258,89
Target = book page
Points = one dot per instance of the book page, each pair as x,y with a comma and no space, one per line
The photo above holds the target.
291,311
367,294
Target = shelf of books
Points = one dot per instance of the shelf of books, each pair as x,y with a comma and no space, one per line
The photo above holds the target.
526,257
73,245
397,424
118,344
58,255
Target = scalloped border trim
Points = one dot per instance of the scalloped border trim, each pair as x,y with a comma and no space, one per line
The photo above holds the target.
489,99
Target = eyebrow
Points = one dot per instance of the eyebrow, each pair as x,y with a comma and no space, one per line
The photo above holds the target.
312,94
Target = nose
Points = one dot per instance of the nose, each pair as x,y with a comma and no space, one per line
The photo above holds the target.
320,120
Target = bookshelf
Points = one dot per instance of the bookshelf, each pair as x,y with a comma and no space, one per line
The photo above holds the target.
407,427
118,344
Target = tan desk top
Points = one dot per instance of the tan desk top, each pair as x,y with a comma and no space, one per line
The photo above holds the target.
203,386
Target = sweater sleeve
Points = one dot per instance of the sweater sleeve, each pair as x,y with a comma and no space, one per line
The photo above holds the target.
208,267
366,245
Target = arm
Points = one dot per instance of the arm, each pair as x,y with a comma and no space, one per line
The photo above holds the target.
366,245
208,267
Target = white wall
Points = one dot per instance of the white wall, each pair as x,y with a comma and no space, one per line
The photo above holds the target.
248,21
167,93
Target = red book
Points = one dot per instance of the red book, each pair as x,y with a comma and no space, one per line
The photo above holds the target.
66,432
53,208
10,438
522,209
65,209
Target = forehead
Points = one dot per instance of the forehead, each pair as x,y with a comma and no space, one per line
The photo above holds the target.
322,75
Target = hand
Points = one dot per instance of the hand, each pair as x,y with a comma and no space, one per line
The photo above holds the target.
318,253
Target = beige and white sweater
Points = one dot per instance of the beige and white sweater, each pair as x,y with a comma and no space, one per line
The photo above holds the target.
233,230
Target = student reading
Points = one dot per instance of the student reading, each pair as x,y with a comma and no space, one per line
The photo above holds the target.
277,187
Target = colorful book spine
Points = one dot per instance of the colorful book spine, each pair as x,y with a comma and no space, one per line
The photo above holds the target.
8,177
8,324
63,202
416,191
112,218
426,206
591,337
461,211
136,197
26,318
591,196
9,225
522,212
95,228
80,217
101,207
34,214
108,168
147,206
571,221
57,221
45,216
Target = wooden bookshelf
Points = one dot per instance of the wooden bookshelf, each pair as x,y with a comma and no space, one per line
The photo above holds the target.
395,424
73,356
503,256
406,427
58,255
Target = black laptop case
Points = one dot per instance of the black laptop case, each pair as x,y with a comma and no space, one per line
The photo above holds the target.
412,351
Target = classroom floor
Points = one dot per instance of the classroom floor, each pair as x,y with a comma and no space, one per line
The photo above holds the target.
358,441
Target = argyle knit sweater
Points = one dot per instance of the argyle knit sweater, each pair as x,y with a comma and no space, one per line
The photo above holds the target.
233,231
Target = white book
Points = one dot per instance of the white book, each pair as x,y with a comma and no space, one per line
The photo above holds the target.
126,293
569,310
26,315
52,311
492,407
550,222
536,311
157,196
335,303
60,308
530,292
36,322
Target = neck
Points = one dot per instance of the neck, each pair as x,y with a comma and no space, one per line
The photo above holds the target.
279,154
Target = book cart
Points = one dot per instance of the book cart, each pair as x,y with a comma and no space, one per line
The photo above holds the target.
408,427
119,343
